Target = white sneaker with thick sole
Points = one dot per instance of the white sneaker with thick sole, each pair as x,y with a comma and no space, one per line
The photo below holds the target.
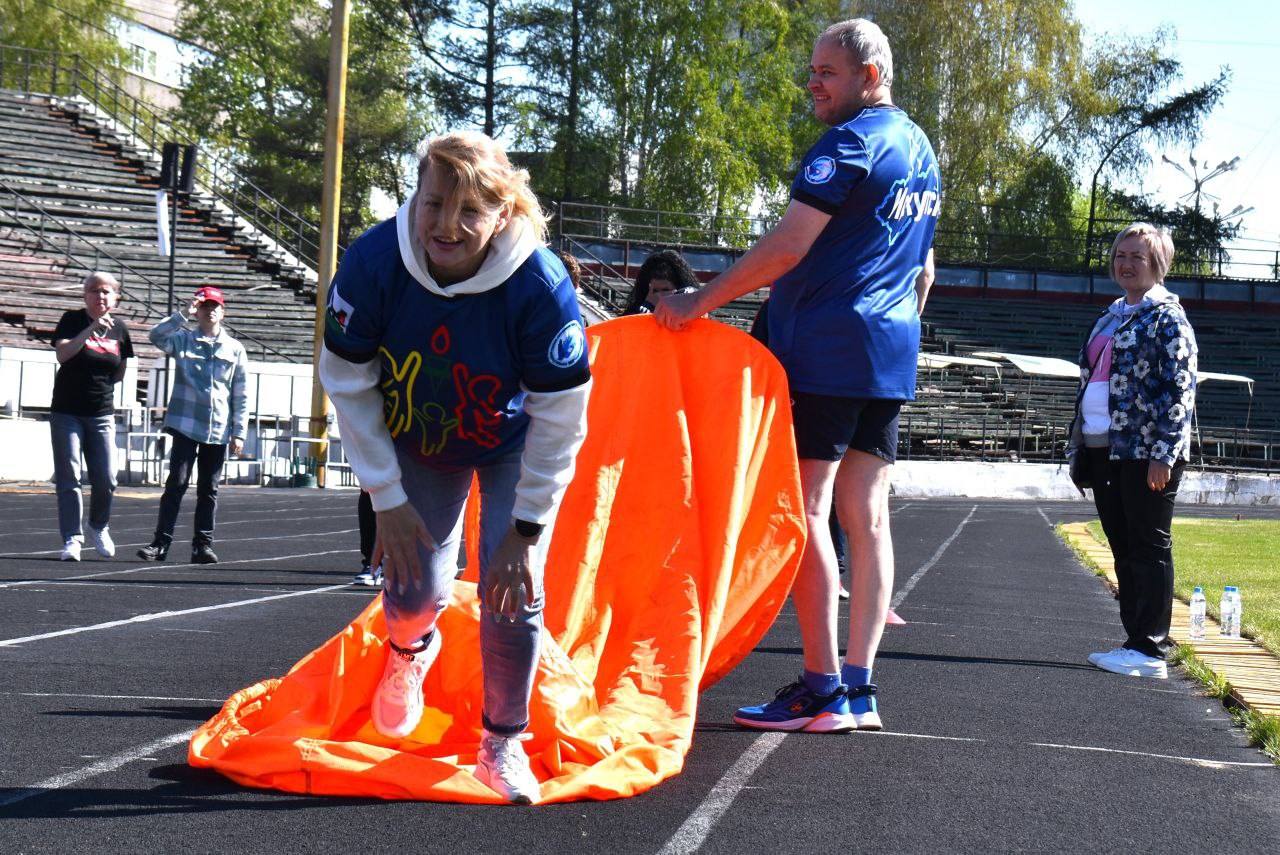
71,549
102,541
397,702
1132,663
1094,657
364,577
502,766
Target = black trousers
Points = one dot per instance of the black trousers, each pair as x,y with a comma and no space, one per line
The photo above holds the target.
1137,521
368,526
207,460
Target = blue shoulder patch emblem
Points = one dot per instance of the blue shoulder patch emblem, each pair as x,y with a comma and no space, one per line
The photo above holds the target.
568,345
820,171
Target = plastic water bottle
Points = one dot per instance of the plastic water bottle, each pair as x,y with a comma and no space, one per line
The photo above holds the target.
1238,614
1197,615
1228,608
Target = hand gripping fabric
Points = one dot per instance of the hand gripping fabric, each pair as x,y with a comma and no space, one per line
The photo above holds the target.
674,549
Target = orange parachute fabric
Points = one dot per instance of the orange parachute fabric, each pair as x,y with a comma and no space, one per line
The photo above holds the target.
674,549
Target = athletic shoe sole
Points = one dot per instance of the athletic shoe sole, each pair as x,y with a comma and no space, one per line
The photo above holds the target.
823,723
1158,673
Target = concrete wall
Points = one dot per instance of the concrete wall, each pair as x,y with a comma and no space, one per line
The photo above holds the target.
962,479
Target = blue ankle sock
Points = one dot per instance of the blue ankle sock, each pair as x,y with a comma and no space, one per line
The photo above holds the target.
820,684
854,676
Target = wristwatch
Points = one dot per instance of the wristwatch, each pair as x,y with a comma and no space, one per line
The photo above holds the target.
524,528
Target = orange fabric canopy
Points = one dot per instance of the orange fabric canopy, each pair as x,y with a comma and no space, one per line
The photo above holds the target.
674,549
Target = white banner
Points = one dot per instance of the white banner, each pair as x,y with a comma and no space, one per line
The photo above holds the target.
162,223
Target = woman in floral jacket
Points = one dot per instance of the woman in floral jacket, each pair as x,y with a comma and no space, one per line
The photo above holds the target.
1133,428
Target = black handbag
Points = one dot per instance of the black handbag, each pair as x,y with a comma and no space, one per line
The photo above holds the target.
1078,468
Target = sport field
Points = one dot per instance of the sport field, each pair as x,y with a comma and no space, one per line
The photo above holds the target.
1217,552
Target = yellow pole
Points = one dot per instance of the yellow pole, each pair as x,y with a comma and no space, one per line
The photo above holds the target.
338,27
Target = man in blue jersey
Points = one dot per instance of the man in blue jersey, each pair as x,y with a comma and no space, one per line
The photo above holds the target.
850,264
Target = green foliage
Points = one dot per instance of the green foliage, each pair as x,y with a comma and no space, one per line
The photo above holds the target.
261,95
81,27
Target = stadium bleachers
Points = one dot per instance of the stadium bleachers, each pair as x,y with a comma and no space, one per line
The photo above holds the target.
69,185
1230,343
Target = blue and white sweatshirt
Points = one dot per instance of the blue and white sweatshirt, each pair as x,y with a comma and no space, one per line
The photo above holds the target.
460,375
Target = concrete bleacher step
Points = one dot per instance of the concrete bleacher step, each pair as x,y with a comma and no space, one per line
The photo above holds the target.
92,182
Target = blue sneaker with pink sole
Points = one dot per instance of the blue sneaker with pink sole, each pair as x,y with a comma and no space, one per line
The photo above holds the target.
796,708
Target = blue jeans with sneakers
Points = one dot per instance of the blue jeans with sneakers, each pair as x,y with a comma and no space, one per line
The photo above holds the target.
508,650
94,437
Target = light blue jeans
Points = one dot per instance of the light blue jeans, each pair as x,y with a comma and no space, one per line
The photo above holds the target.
508,650
94,437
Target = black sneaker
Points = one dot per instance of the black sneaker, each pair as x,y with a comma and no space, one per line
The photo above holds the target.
203,554
157,551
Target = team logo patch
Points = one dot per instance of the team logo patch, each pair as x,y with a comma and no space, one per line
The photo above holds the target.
340,311
820,171
568,345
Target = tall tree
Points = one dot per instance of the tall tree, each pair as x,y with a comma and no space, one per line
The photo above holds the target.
558,114
261,91
698,95
467,47
1133,80
84,27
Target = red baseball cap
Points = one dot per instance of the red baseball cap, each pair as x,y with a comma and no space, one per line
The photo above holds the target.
209,293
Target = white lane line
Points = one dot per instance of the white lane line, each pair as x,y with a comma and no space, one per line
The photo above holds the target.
112,697
110,764
928,565
111,624
690,836
1194,761
901,507
880,734
1045,517
164,565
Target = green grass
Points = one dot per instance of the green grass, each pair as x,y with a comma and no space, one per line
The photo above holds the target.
1217,552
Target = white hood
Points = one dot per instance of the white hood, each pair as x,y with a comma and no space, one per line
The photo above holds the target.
508,250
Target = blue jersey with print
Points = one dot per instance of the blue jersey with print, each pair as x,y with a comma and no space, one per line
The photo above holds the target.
452,367
843,321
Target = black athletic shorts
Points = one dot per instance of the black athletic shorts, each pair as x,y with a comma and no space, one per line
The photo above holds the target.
828,426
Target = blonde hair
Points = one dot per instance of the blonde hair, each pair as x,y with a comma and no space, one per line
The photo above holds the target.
866,44
485,174
1159,245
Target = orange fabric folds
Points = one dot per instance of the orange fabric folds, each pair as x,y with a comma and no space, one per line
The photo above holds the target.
673,551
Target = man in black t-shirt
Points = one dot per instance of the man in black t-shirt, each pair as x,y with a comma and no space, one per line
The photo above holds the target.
92,347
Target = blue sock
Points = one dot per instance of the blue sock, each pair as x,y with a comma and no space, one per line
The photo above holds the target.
854,676
820,684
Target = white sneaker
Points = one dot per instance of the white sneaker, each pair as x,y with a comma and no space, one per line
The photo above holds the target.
364,577
1094,657
397,702
1132,663
71,549
102,541
502,766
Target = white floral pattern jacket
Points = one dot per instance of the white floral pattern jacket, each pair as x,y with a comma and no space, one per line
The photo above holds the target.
1152,383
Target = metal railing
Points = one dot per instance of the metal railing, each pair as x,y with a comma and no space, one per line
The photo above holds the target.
55,74
48,224
982,242
124,273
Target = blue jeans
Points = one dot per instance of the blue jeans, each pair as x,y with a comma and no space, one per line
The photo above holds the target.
508,651
94,437
207,460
